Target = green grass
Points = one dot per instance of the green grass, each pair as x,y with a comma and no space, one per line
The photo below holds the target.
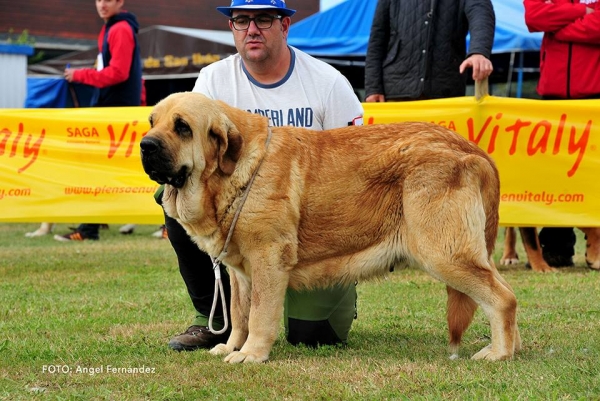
118,301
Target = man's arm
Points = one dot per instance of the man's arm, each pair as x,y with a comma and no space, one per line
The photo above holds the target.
377,50
482,25
545,16
583,30
121,44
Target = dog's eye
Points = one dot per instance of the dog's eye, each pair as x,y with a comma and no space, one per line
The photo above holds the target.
182,127
151,121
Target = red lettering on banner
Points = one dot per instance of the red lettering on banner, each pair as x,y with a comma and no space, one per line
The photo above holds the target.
538,137
446,124
115,144
82,132
516,129
30,150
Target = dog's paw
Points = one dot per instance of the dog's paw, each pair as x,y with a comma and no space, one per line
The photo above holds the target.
239,357
594,265
509,261
489,355
543,267
221,349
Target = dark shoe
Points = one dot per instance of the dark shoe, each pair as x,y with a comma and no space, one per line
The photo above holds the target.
76,235
196,337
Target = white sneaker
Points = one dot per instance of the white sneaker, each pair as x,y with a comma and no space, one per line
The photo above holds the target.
127,229
161,233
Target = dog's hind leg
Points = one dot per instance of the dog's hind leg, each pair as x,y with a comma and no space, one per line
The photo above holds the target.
497,300
460,311
517,333
464,265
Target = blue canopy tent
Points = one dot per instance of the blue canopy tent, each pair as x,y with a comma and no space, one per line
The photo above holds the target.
340,35
342,30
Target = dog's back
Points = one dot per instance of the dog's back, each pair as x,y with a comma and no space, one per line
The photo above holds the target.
378,196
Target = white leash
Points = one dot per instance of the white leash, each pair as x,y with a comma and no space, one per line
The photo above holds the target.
217,261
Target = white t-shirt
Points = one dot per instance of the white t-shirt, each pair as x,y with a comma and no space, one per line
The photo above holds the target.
312,95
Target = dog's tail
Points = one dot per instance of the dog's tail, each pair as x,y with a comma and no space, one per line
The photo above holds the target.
460,311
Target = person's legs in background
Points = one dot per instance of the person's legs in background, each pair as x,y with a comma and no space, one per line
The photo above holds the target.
85,231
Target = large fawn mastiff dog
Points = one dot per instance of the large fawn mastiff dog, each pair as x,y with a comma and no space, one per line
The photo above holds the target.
329,207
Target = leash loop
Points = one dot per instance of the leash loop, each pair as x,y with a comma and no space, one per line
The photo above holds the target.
218,290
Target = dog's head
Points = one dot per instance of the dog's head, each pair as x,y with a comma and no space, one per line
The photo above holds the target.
189,134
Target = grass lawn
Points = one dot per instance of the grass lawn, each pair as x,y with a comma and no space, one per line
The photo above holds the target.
91,321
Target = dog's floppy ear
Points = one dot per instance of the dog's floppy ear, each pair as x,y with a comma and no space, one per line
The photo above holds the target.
229,145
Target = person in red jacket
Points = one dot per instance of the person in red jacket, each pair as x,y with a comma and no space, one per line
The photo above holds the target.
118,75
570,52
569,69
118,71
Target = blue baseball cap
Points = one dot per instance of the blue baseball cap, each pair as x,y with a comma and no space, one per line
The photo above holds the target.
278,5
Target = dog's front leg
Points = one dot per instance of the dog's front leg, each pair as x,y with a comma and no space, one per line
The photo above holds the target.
592,246
533,249
269,283
239,311
509,255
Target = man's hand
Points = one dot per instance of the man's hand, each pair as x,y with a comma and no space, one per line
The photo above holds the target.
375,98
482,67
68,74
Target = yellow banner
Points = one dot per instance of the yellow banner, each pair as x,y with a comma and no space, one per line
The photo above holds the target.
75,165
546,152
83,165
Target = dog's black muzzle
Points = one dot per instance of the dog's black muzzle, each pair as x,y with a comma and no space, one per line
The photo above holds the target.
159,165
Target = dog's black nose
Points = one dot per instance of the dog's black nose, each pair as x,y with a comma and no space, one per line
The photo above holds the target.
149,145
